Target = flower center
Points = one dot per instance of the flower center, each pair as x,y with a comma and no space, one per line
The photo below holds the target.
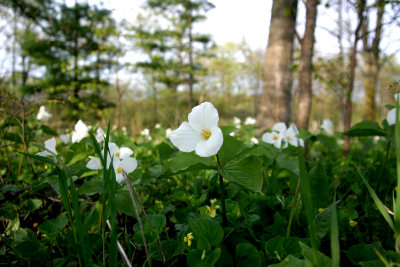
205,134
119,170
117,154
275,137
288,138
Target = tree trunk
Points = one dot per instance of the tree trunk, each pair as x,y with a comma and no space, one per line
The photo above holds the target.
353,63
276,92
305,79
371,62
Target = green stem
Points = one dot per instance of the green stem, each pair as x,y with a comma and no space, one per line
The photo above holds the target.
294,204
221,184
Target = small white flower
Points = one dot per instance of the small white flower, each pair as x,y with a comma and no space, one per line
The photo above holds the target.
254,140
250,121
100,135
43,115
201,134
157,126
127,165
327,126
291,136
65,138
145,132
237,122
276,136
94,164
50,145
81,131
124,130
168,132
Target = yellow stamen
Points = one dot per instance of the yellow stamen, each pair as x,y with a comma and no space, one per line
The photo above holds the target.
117,154
288,138
275,137
205,134
119,170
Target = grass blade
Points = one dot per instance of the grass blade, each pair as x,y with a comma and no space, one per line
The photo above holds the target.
334,235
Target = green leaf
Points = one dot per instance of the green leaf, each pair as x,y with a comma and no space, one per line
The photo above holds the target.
246,172
292,261
34,204
364,252
54,226
289,163
247,255
282,247
206,233
183,161
92,187
123,203
365,128
165,150
46,129
13,137
77,158
226,130
323,220
28,248
230,148
200,258
307,253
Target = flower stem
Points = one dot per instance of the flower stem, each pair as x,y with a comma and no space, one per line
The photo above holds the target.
294,204
221,184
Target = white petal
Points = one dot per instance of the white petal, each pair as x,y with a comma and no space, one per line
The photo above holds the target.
396,96
94,164
119,177
125,152
44,154
391,117
268,138
294,129
129,164
65,138
185,138
203,117
279,127
112,148
100,135
50,144
211,146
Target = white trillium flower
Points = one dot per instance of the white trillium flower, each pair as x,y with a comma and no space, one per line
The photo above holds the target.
327,126
168,132
237,122
291,136
43,115
145,132
254,140
201,134
276,136
100,135
127,165
65,138
81,131
117,152
250,121
94,164
50,145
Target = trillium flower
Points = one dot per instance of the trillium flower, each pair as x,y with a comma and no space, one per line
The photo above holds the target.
237,122
127,165
168,132
327,126
43,115
81,131
250,121
391,116
119,153
94,164
65,138
276,136
50,145
291,136
201,133
100,135
145,132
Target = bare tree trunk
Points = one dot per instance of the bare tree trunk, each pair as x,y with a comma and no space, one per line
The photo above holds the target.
360,5
305,79
276,93
371,62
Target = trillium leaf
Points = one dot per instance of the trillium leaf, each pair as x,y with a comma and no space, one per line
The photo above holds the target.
92,187
196,258
226,130
308,254
292,261
365,128
247,172
123,203
183,161
206,233
282,247
230,148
